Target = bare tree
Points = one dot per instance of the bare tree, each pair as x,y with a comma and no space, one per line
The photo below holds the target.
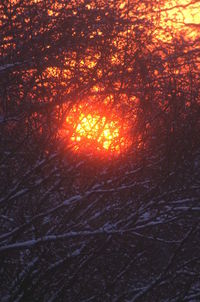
78,227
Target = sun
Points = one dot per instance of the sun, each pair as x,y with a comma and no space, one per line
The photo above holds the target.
96,129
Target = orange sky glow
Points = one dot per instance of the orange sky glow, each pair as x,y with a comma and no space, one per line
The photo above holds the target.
90,128
93,127
181,18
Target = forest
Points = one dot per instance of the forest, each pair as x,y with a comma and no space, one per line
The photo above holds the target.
99,151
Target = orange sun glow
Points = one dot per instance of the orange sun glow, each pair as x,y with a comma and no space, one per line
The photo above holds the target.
94,129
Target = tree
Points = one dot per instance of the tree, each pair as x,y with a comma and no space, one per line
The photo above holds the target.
78,226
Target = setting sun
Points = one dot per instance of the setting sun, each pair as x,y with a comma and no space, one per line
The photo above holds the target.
90,128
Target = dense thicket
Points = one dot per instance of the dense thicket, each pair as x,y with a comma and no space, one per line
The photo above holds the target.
80,228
